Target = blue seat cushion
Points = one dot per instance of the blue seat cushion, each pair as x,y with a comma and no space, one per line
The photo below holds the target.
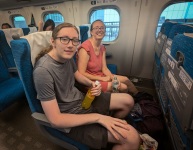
112,68
11,90
5,51
4,74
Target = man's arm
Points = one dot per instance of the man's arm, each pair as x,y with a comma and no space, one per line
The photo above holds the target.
95,89
82,79
64,120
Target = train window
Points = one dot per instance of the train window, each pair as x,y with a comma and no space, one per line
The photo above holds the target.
55,16
180,12
111,19
19,22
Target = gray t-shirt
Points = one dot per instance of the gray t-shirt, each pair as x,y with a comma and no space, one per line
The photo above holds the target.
56,80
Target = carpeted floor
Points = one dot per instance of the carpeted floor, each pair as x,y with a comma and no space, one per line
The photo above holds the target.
19,132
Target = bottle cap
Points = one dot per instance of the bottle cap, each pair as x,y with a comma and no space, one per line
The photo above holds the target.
97,82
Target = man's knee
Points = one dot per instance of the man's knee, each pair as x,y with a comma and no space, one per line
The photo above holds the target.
133,139
130,101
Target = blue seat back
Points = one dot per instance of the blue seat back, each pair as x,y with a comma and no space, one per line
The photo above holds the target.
21,53
5,48
160,43
179,29
183,44
84,30
166,27
4,74
26,31
29,30
11,88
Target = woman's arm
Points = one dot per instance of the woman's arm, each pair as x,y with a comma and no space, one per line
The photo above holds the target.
83,59
40,26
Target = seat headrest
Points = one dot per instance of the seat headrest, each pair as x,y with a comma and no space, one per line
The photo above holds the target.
38,41
78,31
16,36
12,31
89,26
32,30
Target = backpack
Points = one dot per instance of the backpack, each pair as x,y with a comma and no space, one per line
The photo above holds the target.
147,115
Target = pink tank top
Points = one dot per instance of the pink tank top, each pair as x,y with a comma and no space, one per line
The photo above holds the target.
94,65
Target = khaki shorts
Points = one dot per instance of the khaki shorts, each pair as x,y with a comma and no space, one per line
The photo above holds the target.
94,135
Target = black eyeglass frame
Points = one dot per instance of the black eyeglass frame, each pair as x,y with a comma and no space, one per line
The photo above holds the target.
99,28
69,39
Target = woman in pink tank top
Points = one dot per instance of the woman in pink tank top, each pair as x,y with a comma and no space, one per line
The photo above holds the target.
91,61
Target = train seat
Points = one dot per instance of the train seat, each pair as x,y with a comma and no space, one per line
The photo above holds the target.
26,31
178,79
84,32
29,30
158,70
182,50
5,49
89,26
162,36
10,86
24,51
159,44
175,30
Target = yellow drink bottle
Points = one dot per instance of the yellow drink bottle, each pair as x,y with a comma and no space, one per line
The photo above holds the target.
88,98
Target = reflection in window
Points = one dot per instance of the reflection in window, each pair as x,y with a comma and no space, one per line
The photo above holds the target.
19,22
56,17
111,19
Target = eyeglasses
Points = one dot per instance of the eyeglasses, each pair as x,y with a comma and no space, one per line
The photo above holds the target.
99,28
66,40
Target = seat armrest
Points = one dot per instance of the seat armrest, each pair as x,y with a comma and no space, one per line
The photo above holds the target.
42,119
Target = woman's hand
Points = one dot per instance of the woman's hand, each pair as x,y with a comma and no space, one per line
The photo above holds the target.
113,125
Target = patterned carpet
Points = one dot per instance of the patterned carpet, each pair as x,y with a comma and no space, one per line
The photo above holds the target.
18,130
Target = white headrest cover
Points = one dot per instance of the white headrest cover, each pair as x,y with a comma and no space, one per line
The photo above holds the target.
32,30
189,34
79,32
12,31
38,41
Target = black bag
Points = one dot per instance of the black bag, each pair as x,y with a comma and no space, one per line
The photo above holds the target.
147,115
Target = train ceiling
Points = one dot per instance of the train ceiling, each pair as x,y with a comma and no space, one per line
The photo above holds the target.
14,4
